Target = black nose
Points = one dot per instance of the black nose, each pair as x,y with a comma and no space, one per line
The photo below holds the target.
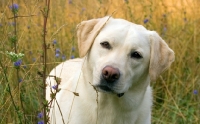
110,74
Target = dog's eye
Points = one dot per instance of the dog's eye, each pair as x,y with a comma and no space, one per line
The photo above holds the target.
136,55
105,44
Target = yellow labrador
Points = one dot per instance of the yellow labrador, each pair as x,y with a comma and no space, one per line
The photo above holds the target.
119,59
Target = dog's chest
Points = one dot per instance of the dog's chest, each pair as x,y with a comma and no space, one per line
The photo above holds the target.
103,112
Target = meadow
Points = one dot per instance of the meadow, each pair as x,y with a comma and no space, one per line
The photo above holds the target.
35,37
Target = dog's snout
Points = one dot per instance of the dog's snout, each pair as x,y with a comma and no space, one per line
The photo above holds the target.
110,74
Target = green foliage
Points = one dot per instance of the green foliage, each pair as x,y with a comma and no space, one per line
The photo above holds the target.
176,92
13,39
14,57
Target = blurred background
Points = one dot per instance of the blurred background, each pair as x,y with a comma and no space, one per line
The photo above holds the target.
176,92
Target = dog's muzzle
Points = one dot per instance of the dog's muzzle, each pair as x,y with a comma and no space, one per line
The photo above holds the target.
108,90
110,74
109,78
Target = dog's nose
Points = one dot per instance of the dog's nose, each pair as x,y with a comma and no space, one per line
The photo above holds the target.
110,74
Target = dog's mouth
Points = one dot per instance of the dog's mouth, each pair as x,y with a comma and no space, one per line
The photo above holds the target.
107,89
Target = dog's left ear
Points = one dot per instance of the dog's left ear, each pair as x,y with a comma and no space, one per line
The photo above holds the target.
161,56
87,31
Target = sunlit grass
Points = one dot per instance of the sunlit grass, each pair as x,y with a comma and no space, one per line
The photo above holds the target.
176,93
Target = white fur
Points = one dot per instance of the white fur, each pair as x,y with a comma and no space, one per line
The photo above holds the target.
94,106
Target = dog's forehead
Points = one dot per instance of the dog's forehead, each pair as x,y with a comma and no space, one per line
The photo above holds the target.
125,32
120,24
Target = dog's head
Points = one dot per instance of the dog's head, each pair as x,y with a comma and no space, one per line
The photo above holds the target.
121,54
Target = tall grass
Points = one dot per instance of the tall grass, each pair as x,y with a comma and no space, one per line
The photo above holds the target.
176,92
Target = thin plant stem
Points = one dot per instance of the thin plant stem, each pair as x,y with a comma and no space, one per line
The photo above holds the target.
17,70
16,16
10,93
45,14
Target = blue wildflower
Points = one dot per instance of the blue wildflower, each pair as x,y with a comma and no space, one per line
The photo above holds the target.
18,63
24,66
165,29
63,57
41,122
55,87
40,115
13,23
1,25
20,80
14,8
195,92
145,21
72,57
57,55
57,50
54,41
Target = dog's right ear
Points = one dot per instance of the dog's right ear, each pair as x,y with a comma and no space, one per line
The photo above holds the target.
87,31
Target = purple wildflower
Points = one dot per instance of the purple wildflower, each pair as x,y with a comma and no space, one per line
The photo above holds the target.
14,6
165,29
54,41
24,66
41,122
57,55
195,92
63,57
11,23
20,80
40,115
17,63
1,25
57,50
145,21
72,57
55,87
